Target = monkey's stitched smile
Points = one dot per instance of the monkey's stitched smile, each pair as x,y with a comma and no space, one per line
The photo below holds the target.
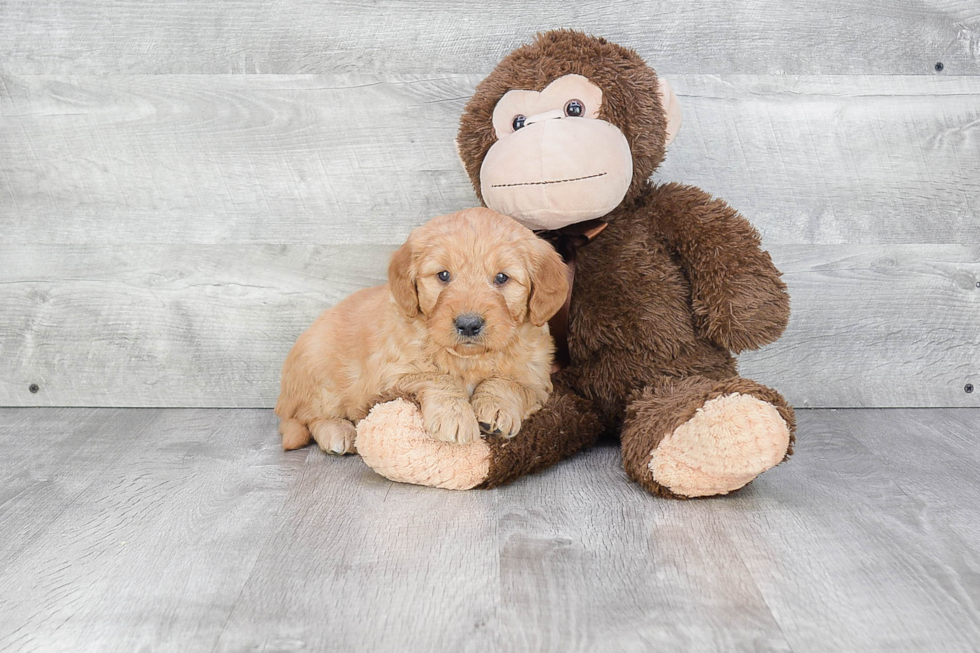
542,183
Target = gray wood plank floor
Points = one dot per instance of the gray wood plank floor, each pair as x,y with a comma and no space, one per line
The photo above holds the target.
189,530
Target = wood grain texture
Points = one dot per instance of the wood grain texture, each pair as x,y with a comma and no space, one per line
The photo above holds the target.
209,325
842,530
180,530
876,326
358,563
345,159
50,459
152,535
203,325
848,160
300,36
590,562
945,445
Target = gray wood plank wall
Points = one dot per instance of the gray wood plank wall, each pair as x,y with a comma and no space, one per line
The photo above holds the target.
171,221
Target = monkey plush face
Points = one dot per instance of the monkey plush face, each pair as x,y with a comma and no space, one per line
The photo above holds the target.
555,160
565,129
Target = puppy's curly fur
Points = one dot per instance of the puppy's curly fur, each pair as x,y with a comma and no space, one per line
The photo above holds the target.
402,339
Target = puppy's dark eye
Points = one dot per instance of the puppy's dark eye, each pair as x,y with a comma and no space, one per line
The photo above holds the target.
444,276
500,279
518,121
574,109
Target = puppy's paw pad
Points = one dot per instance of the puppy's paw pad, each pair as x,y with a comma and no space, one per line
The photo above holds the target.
489,429
495,419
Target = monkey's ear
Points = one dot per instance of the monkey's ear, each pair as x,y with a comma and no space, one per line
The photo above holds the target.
672,109
549,282
401,280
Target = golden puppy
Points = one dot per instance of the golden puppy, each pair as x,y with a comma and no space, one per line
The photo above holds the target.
460,327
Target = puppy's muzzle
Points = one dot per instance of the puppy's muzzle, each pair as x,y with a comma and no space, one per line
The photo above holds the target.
469,325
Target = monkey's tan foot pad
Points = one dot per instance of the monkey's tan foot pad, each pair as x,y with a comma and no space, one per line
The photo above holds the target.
729,441
393,442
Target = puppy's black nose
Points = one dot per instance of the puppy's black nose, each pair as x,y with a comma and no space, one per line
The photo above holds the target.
469,325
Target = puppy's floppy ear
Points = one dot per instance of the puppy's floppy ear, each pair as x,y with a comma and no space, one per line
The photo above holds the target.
549,281
401,280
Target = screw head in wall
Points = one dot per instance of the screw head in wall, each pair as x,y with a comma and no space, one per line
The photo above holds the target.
968,387
939,66
33,388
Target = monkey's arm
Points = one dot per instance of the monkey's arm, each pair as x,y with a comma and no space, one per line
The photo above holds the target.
738,298
393,442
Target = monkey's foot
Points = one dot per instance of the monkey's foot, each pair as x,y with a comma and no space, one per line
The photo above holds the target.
729,441
696,437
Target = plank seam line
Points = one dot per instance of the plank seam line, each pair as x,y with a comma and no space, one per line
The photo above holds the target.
251,572
762,594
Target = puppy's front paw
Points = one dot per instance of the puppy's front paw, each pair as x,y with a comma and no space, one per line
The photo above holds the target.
451,421
335,436
496,418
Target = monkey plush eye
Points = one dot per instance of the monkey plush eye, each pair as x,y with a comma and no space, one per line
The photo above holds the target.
519,121
574,109
444,276
500,279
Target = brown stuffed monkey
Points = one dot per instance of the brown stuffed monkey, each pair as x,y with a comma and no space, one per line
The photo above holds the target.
668,282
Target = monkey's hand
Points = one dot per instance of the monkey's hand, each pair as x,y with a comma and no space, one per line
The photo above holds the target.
741,312
738,298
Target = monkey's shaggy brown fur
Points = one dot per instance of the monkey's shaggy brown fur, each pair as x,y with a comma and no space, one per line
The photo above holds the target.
661,298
